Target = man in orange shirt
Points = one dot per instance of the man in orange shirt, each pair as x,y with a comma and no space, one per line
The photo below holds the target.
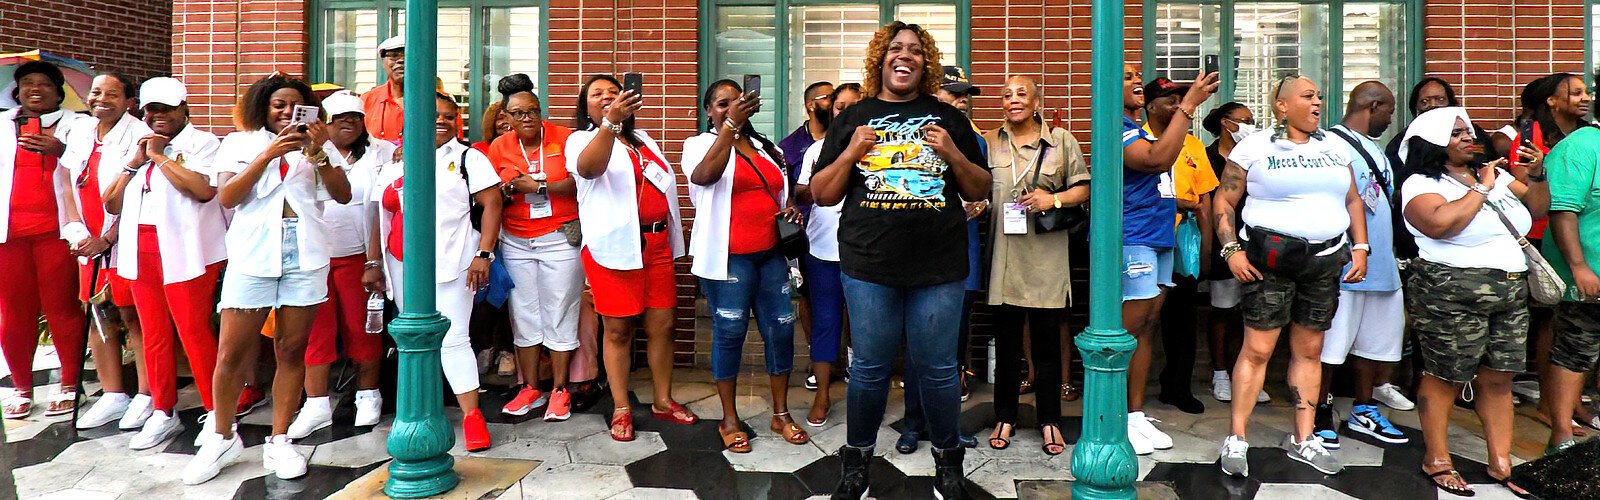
385,114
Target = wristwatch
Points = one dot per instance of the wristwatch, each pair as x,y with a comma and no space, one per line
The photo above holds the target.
1362,247
613,127
489,256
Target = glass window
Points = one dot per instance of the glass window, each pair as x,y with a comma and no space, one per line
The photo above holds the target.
1594,41
512,43
455,47
745,42
829,44
1273,40
351,48
939,20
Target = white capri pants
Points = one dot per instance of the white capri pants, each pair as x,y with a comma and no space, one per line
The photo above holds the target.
454,301
549,283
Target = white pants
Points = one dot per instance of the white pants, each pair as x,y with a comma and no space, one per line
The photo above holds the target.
455,303
1367,324
549,279
1224,293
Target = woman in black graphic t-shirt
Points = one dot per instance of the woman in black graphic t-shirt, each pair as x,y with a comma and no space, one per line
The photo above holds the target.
901,162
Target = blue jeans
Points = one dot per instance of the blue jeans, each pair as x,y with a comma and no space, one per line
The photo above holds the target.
827,307
758,281
928,317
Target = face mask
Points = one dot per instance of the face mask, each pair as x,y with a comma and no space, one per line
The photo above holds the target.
1245,129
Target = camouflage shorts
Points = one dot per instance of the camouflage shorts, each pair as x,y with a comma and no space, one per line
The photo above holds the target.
1468,318
1577,336
1307,297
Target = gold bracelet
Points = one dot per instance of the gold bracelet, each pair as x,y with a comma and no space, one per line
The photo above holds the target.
1186,112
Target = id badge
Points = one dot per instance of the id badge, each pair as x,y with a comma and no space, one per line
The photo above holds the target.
1014,219
1370,195
658,177
538,205
1166,187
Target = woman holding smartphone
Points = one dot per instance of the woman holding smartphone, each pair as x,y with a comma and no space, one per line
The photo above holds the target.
628,208
34,248
276,175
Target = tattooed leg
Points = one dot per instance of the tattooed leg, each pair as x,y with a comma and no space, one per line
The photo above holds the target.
1305,377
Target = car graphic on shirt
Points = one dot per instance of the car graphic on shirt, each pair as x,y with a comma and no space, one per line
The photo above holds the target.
887,156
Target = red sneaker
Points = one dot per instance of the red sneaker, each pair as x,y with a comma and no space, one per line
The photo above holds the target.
560,406
526,400
250,398
476,431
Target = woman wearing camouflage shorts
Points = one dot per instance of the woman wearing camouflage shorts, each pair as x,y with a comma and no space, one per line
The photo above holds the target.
1467,295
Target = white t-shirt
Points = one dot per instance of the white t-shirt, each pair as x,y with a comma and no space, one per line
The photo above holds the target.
347,222
1295,189
822,229
1485,242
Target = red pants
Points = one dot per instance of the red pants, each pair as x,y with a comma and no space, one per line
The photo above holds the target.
121,289
343,316
39,273
187,306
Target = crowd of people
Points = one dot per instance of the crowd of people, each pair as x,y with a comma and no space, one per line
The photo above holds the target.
876,226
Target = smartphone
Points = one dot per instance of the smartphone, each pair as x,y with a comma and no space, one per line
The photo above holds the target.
28,126
1210,65
634,82
306,114
752,85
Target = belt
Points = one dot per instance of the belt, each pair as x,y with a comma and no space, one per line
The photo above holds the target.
653,227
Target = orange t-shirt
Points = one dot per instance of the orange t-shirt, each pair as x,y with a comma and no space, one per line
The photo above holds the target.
509,159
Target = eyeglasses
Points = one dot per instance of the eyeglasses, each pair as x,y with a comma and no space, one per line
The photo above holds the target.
394,55
1249,121
521,115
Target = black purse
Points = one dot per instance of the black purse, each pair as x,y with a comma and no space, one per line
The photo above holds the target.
1070,219
792,240
475,210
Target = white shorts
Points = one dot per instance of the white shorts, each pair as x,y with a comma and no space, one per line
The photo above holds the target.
549,282
1367,324
1224,293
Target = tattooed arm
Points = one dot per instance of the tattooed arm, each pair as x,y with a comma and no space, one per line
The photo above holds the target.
1224,216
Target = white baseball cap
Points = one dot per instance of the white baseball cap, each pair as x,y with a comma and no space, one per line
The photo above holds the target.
394,42
342,102
162,89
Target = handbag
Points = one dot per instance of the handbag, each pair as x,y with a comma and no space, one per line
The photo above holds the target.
1188,246
1544,285
792,240
1070,219
475,210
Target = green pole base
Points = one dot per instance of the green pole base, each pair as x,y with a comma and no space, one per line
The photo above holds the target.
421,438
1103,462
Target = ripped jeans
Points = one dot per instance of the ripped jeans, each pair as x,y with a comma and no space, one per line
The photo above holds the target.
759,282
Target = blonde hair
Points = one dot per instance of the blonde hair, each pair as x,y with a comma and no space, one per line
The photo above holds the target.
932,69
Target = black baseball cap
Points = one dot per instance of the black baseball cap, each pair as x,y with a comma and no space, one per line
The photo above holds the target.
956,82
1162,87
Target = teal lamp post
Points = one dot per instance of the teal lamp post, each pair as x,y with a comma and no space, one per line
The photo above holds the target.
1103,461
421,438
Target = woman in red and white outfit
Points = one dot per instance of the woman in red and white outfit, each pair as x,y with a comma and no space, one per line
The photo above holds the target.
628,208
95,157
462,253
34,251
167,209
277,175
342,319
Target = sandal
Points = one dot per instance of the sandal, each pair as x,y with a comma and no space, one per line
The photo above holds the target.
1464,491
18,405
622,425
782,424
817,423
62,403
1070,393
1003,431
736,441
1051,446
1511,487
675,413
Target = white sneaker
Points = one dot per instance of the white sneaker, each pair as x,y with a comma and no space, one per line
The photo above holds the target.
1141,446
1221,386
1391,397
157,429
208,432
111,406
211,458
315,414
1263,397
369,407
1234,457
1157,439
139,410
280,457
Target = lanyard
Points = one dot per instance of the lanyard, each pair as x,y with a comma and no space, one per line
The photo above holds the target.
89,167
1016,177
525,159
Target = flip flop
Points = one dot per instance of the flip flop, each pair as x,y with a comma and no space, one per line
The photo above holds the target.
61,404
622,425
1461,492
675,413
1509,486
18,405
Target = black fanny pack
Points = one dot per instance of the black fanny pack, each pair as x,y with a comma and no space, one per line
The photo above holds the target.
1270,250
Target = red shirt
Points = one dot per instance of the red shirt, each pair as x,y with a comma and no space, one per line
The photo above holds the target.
391,203
750,225
652,202
88,184
33,195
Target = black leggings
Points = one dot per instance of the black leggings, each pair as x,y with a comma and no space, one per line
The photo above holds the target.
1178,336
1045,324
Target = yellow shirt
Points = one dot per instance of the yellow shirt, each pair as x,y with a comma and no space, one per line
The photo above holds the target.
1192,175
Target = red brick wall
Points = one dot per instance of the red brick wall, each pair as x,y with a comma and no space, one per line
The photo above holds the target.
128,36
221,47
1491,55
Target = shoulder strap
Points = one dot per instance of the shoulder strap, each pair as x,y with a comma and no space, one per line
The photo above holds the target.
1038,162
762,178
1372,166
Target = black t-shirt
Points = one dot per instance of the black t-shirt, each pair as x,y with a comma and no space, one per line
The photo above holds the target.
902,221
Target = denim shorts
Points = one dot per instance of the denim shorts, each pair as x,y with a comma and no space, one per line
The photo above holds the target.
294,288
1144,271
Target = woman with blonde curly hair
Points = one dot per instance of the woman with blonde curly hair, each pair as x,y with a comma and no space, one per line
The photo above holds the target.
900,161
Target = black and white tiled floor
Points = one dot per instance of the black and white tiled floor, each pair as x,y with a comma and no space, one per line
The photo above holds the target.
578,460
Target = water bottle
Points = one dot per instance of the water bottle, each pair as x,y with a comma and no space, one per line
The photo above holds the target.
375,313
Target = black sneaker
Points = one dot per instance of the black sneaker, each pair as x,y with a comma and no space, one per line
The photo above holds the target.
1323,427
949,481
853,480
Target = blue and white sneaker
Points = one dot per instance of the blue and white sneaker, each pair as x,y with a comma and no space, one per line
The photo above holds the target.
1367,420
1330,439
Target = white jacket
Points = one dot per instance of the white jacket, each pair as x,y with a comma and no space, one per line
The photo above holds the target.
116,149
708,243
608,207
190,231
66,123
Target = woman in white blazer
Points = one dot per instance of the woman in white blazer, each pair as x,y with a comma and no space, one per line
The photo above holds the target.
740,190
628,208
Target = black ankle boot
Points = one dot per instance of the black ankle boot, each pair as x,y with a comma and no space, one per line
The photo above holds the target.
853,481
949,480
